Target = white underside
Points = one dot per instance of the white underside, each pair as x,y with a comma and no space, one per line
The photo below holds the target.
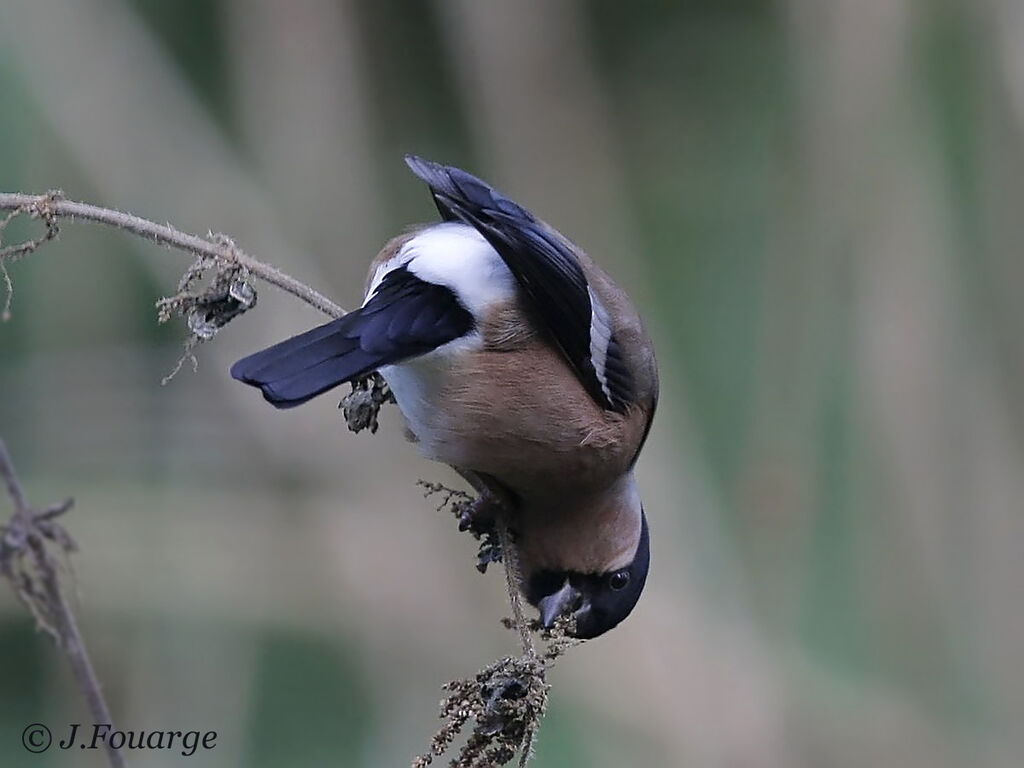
416,385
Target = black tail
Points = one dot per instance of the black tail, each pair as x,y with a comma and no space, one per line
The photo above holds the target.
406,317
304,366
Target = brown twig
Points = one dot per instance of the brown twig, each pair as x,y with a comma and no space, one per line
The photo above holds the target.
506,700
37,584
53,205
511,561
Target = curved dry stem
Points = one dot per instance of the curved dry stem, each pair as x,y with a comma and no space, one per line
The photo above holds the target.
53,206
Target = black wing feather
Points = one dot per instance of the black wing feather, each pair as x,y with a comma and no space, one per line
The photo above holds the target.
404,318
542,263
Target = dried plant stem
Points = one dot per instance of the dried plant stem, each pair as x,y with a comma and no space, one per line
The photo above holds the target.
509,557
27,534
511,561
506,700
53,206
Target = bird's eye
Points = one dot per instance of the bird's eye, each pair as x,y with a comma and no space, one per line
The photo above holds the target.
618,580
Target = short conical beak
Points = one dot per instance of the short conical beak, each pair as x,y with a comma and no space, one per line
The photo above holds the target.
564,601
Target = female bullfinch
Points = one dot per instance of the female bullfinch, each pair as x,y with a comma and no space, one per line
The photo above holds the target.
515,359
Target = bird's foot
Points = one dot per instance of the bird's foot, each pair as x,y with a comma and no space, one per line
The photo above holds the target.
480,517
477,515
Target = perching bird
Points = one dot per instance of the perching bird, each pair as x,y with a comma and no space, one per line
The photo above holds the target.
513,357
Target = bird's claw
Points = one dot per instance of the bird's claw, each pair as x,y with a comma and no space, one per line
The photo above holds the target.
477,516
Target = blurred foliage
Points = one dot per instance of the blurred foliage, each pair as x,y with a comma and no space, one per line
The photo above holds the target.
304,687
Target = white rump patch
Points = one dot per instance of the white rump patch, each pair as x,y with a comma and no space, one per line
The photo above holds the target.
458,257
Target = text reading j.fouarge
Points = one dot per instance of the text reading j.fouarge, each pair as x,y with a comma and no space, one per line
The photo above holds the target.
37,738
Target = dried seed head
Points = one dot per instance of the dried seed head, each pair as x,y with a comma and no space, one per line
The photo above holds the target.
229,293
362,405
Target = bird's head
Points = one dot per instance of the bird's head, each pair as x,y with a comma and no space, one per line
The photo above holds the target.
598,599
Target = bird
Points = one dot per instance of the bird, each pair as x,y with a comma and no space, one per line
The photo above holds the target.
517,360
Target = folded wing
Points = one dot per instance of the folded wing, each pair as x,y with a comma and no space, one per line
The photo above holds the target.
546,269
404,318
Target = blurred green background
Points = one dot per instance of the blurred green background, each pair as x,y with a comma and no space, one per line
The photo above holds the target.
816,203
